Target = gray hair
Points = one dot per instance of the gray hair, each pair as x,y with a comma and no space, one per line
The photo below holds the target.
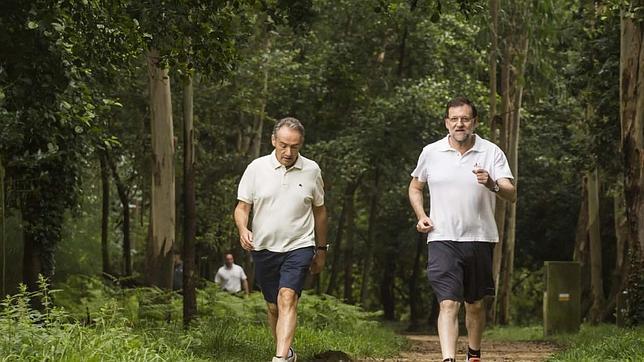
290,122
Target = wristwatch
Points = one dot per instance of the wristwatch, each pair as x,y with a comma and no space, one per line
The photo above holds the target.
322,247
496,188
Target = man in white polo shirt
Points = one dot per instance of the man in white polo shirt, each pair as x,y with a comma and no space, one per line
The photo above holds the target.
231,277
465,174
288,234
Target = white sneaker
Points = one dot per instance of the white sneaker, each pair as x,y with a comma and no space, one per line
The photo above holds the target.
292,356
279,359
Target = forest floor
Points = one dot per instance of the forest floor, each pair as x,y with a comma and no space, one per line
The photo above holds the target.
427,348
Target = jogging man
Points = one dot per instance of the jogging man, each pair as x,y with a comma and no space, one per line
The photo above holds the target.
288,234
465,174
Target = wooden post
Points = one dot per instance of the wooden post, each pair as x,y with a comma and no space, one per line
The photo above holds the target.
562,297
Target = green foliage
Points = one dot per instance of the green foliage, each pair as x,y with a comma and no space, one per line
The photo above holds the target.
602,343
93,320
527,296
513,333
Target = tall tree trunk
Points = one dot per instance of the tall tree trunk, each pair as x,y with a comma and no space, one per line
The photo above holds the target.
515,51
159,255
632,120
255,146
500,212
371,236
31,263
337,247
494,45
348,251
190,208
412,284
3,235
124,198
42,224
594,236
387,296
620,272
581,253
349,193
105,214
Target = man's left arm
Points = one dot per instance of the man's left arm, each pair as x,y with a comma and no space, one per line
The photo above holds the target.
507,191
320,217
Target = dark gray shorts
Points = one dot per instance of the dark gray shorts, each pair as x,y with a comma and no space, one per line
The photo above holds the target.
460,270
274,271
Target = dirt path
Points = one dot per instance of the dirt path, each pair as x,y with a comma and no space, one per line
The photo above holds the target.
427,348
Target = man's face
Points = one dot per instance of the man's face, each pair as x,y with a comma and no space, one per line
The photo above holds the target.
460,123
287,143
229,260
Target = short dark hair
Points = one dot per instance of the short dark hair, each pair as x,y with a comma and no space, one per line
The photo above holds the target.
290,122
460,101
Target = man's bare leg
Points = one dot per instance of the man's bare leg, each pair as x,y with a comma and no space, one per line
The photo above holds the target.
475,323
448,327
272,318
286,321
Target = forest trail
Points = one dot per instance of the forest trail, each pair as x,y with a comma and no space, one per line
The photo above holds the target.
427,348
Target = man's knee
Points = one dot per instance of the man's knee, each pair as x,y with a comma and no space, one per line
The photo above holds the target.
476,307
450,306
272,309
286,298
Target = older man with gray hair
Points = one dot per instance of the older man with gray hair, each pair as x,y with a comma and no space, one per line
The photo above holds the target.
287,238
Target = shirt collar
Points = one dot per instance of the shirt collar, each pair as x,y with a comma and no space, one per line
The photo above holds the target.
299,163
445,146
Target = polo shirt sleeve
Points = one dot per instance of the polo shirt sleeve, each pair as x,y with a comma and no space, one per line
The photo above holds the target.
501,166
420,171
246,191
318,193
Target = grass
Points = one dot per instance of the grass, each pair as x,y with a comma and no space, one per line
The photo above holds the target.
602,343
95,322
592,343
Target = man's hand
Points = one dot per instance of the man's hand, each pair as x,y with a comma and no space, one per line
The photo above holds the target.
318,262
425,225
246,239
483,177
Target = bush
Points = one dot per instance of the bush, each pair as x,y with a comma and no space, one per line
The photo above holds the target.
527,297
94,321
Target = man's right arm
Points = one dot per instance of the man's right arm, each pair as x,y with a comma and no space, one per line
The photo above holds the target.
416,189
242,214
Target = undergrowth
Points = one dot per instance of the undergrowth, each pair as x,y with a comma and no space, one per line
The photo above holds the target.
602,343
592,343
89,320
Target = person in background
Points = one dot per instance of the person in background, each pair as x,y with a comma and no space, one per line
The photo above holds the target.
231,277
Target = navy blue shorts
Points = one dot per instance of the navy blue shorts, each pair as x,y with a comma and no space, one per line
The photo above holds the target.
274,271
460,270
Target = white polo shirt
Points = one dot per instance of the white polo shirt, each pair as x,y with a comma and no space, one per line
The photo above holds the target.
461,209
282,202
231,278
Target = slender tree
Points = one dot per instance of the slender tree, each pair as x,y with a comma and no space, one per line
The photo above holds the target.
189,205
105,212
